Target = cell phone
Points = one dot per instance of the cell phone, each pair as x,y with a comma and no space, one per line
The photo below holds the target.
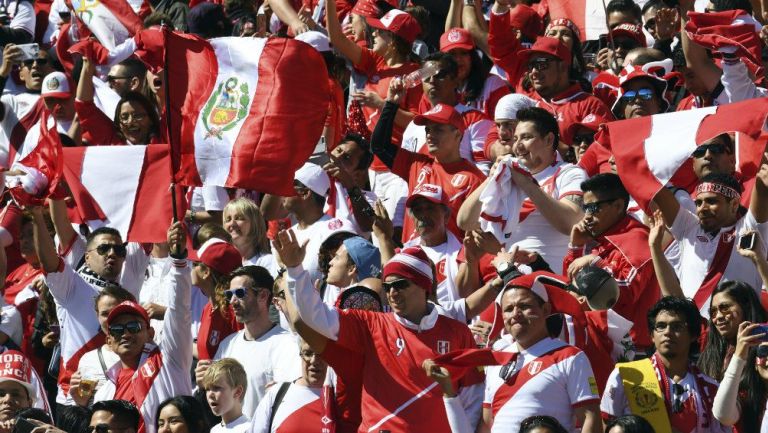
762,351
320,154
56,329
761,329
29,51
747,241
602,42
23,426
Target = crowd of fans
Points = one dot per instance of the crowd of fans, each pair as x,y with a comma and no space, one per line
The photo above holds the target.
460,254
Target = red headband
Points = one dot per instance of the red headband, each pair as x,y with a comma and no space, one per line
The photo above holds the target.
567,23
717,188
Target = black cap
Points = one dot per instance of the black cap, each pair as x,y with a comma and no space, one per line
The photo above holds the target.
598,286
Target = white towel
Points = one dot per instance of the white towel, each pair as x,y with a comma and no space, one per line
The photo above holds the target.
501,200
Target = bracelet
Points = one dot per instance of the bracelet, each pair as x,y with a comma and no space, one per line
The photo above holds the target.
192,217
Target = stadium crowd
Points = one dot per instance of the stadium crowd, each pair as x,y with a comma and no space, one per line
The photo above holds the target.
475,244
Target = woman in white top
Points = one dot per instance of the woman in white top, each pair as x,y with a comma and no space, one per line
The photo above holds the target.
242,219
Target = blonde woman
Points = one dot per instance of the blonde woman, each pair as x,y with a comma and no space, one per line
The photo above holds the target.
244,222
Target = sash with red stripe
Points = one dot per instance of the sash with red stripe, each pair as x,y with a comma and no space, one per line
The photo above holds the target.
144,377
19,131
71,366
716,269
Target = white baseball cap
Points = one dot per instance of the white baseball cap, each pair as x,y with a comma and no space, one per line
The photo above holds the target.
318,40
313,177
56,85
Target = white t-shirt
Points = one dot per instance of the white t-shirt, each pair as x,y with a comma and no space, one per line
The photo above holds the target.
444,256
315,234
273,357
90,367
537,234
697,251
266,261
240,425
551,385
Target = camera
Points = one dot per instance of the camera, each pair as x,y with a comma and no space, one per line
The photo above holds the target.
761,329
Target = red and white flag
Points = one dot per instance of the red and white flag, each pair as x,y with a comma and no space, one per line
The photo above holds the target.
245,112
111,21
588,15
650,151
123,187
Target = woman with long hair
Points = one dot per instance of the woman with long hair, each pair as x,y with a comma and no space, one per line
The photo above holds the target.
243,220
181,414
733,303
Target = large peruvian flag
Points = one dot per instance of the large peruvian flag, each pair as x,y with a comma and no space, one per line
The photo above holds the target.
650,151
588,15
124,187
111,21
245,112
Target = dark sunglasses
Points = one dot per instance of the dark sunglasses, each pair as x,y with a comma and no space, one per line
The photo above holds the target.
584,138
542,64
117,331
442,74
112,78
714,149
239,292
398,285
104,249
29,62
644,94
594,207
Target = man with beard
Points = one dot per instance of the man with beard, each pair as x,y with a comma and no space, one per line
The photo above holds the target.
674,395
268,352
612,240
707,238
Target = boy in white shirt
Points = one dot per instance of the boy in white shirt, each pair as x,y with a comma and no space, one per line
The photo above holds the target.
225,383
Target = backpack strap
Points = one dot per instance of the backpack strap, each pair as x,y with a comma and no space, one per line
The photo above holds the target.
278,399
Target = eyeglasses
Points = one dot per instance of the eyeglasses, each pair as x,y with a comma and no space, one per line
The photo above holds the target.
307,355
584,138
40,62
104,428
129,117
677,398
723,308
644,94
714,149
113,78
104,249
594,207
541,63
239,292
676,327
397,285
117,331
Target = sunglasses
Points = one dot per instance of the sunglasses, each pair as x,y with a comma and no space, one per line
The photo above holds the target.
714,149
584,138
239,292
644,94
594,207
541,64
397,285
29,62
650,25
117,331
104,249
113,78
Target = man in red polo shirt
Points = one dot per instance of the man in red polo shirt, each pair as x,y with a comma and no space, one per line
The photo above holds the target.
444,166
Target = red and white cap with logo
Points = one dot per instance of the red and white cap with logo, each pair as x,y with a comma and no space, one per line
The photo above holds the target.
411,263
441,113
56,85
653,72
628,30
127,307
17,368
433,193
218,255
398,22
456,38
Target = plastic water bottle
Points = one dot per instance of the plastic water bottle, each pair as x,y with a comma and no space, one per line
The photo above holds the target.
417,77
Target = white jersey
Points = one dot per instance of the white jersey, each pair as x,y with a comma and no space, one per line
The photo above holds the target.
444,256
343,206
697,252
534,232
240,425
301,406
90,367
273,357
549,378
153,290
266,261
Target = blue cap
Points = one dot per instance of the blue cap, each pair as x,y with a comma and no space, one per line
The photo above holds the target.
366,257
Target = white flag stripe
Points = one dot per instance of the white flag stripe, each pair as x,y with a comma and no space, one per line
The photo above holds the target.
671,140
118,200
102,22
238,63
594,19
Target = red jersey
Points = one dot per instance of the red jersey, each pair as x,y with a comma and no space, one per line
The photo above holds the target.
458,180
379,75
571,106
397,395
214,328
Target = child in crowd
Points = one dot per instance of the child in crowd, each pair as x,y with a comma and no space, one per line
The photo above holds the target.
225,384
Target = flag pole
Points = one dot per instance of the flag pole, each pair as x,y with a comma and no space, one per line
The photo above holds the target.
166,82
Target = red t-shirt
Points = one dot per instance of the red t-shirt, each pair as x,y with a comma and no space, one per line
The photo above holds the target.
571,106
392,374
379,75
124,388
214,328
458,180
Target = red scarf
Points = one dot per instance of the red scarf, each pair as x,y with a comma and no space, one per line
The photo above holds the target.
717,268
704,395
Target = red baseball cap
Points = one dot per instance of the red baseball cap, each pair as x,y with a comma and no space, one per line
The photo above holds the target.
441,113
17,369
218,255
398,22
127,307
368,8
433,193
548,46
456,38
632,31
527,20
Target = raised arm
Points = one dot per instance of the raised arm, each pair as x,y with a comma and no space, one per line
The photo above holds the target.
61,223
758,204
665,273
314,339
473,21
288,15
44,246
177,327
340,42
696,56
668,205
85,89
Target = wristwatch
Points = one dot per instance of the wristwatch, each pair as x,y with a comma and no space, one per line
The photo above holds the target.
469,3
507,272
